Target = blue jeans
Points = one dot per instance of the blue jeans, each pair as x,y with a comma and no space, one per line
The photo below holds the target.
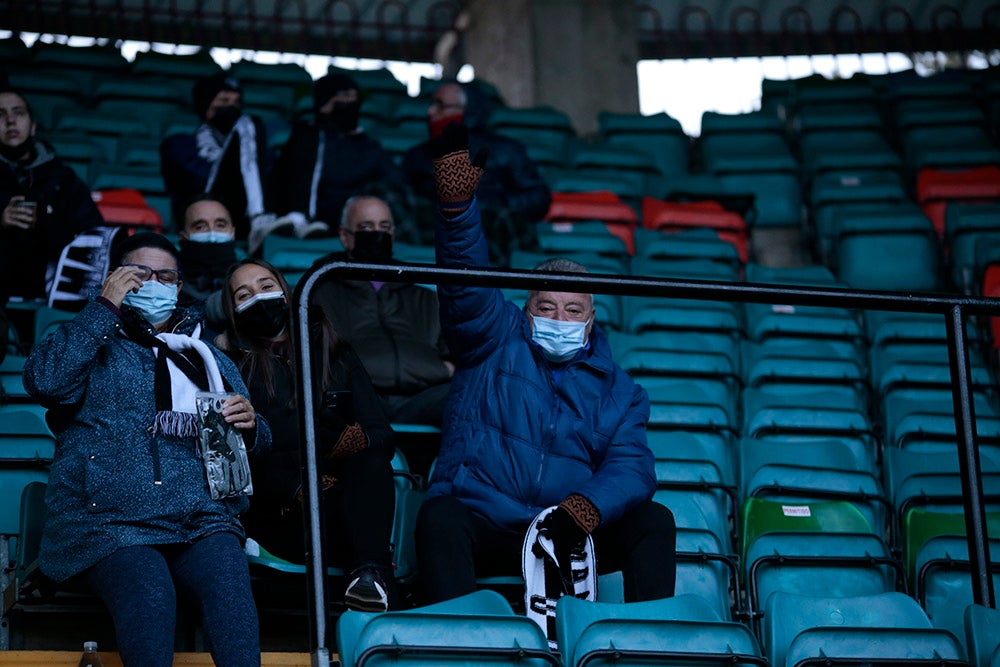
139,586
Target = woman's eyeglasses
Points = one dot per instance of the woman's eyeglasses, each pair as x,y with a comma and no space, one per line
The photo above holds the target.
165,276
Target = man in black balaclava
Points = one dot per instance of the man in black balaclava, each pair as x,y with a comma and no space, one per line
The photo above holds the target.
45,204
329,158
227,156
394,327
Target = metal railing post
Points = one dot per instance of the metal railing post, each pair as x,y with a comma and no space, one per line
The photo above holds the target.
968,458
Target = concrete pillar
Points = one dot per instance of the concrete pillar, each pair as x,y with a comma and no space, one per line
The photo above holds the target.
578,56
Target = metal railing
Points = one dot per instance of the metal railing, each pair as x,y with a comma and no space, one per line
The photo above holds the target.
953,308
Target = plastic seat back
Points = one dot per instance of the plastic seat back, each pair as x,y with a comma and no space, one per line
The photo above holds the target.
674,630
886,626
478,628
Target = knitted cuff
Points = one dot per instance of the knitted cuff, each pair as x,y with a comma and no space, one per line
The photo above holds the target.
585,514
351,441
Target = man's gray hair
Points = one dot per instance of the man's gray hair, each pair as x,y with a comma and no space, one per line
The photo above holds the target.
345,212
560,265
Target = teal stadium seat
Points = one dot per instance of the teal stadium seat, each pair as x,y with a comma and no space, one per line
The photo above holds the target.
690,252
932,481
810,471
746,153
291,75
184,68
777,197
380,81
937,551
659,135
681,630
26,450
883,629
966,226
11,385
954,146
886,249
476,629
546,133
847,150
611,161
982,628
582,236
852,114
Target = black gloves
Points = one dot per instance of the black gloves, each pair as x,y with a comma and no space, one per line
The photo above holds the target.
455,175
567,538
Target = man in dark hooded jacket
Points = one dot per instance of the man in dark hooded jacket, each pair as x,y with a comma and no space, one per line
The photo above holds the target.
227,156
45,204
512,194
329,158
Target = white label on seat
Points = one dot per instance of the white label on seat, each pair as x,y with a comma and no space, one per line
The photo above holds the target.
790,310
562,227
796,510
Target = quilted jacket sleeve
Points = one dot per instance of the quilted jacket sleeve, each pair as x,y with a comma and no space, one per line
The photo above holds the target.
475,319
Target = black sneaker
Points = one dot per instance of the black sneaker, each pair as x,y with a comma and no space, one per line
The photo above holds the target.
367,590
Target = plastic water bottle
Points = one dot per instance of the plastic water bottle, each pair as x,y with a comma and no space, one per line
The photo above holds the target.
90,657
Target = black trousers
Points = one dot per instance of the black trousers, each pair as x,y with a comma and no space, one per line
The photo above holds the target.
455,545
358,509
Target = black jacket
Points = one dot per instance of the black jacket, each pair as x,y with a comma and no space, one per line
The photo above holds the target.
351,163
396,331
277,474
64,210
185,174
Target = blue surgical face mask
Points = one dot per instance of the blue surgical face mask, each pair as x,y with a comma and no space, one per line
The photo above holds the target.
559,340
154,301
213,236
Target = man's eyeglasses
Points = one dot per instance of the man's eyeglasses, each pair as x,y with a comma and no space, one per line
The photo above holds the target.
381,226
165,276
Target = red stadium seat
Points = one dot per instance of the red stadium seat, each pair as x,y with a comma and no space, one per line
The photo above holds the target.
991,287
127,208
936,188
620,219
675,216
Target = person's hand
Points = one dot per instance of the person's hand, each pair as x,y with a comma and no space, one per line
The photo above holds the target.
455,176
238,411
451,368
19,217
567,537
120,282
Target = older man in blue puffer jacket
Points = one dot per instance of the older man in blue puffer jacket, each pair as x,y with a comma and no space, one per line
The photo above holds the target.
539,415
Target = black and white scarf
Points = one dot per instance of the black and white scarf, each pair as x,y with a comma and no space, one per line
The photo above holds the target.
212,145
543,585
184,366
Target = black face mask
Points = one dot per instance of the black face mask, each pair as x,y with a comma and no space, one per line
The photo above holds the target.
343,118
206,259
225,118
374,247
266,318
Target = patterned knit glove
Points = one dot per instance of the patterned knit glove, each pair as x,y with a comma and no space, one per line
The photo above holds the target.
455,175
351,441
